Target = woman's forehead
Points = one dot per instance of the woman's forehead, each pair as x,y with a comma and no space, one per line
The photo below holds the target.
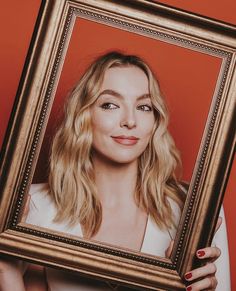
129,78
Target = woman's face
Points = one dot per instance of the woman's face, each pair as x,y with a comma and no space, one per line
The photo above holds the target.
122,116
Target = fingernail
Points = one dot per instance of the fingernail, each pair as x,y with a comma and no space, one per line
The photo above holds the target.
201,253
189,288
188,276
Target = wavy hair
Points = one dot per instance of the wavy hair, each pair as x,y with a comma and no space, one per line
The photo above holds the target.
71,177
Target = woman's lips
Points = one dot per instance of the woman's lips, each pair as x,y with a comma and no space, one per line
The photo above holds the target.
125,140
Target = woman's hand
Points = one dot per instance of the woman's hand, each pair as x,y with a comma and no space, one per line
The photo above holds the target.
203,278
12,270
11,277
205,274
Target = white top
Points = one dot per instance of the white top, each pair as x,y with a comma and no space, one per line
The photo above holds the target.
42,212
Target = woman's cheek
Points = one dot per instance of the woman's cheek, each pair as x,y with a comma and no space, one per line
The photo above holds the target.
147,129
107,123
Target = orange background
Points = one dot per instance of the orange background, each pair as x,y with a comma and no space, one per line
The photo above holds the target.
17,20
181,73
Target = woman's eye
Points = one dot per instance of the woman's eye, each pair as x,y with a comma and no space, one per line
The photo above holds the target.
108,105
145,107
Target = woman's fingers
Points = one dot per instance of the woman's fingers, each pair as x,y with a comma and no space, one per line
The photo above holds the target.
169,249
9,264
204,271
203,278
205,274
208,283
212,253
11,274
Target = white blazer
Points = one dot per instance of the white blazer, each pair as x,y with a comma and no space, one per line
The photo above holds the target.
42,212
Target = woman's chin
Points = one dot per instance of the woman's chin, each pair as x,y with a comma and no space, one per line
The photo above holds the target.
116,159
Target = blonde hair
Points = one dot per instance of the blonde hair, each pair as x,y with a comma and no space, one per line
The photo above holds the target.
71,177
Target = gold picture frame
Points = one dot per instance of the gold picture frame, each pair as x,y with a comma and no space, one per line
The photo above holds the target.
26,130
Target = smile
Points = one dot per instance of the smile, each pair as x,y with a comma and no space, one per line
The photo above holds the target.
125,140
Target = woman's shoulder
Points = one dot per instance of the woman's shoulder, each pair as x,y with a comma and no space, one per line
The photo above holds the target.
40,198
42,211
37,189
40,193
175,208
41,207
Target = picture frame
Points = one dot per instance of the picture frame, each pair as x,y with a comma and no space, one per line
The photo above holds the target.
39,85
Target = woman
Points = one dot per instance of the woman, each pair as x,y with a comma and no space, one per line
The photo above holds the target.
113,170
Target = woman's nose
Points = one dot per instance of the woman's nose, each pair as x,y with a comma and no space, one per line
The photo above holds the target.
128,119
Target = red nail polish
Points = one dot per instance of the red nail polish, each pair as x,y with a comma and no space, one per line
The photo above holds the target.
189,288
188,276
201,253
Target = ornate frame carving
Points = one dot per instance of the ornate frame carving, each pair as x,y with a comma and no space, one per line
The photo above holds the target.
33,103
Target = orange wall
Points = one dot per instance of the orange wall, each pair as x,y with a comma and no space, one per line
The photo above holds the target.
179,70
16,29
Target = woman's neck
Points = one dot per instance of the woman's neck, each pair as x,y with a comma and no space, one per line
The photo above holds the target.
115,182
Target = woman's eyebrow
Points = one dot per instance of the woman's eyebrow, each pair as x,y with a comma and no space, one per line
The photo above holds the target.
111,92
117,94
144,96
